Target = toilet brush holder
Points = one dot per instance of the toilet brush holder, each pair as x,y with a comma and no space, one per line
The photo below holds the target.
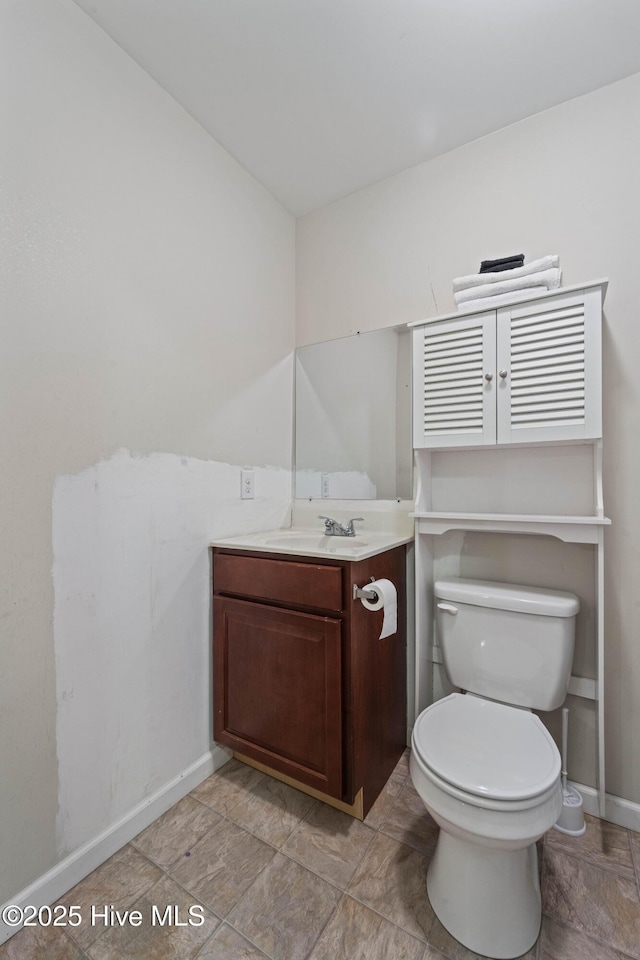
571,820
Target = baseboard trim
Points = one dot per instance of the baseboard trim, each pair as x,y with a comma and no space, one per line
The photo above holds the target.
354,809
624,813
56,882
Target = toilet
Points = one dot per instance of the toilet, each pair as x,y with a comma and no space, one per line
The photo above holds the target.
484,765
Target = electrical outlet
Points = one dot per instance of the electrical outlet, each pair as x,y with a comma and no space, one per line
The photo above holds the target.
324,485
246,485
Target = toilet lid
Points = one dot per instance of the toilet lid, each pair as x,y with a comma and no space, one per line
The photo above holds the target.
487,749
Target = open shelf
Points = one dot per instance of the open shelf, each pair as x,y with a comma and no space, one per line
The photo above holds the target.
567,528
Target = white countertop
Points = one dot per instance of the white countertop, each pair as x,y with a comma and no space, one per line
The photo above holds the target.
304,542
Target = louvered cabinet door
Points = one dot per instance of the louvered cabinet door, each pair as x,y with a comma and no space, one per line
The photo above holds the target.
455,382
549,370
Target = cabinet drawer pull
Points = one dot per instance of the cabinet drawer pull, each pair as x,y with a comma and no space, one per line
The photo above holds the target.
488,377
503,374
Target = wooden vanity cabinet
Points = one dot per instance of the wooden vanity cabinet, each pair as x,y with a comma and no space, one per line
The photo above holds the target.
302,683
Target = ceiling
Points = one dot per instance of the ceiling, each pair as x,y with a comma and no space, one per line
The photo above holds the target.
318,98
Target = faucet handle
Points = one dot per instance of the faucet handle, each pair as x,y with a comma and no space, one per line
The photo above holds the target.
351,532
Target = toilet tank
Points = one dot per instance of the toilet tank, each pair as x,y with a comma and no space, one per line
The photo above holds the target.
506,641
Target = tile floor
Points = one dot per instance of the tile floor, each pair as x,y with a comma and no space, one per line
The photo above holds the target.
276,874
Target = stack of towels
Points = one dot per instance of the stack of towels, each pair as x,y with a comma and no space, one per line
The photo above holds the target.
503,281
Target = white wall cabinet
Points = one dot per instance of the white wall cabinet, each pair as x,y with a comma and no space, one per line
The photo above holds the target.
526,373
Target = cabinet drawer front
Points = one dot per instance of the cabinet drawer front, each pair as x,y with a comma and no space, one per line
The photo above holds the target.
281,581
277,690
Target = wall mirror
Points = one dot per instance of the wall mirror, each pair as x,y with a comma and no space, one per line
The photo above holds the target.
353,417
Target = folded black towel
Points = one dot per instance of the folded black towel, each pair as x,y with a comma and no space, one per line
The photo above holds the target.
504,263
513,265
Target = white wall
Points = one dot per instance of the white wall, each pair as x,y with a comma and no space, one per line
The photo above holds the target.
566,181
146,355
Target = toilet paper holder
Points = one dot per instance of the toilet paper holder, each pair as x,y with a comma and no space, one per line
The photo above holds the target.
363,593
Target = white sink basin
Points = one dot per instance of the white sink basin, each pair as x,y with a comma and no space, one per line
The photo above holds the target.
310,541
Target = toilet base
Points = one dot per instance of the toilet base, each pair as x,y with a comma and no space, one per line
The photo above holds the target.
487,898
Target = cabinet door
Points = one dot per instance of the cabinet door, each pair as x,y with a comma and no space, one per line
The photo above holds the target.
549,369
454,383
277,689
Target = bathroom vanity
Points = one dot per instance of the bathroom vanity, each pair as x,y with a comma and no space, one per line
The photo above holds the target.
303,686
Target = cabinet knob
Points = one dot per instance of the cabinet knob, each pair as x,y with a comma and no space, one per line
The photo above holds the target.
488,377
503,374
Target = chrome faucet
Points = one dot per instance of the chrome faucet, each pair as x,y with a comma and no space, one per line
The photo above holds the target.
334,529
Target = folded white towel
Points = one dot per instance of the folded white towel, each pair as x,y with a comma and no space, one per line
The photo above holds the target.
502,299
536,266
547,278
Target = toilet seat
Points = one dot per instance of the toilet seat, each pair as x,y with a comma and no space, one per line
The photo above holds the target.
486,749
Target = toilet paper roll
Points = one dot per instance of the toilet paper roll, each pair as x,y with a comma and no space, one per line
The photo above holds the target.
386,600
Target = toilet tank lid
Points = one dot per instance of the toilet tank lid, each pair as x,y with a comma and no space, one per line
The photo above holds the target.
508,596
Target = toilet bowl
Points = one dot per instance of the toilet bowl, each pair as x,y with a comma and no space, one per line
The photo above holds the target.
489,775
484,765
